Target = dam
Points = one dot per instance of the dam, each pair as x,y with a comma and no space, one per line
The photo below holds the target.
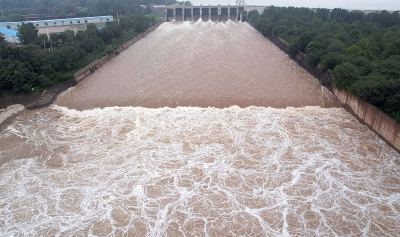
194,13
202,129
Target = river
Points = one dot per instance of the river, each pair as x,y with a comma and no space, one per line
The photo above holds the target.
198,129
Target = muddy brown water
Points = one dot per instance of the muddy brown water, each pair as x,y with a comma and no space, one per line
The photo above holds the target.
200,64
199,129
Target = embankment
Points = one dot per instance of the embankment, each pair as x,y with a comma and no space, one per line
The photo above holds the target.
37,99
383,125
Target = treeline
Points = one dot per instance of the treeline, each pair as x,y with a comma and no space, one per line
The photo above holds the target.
362,51
14,9
44,61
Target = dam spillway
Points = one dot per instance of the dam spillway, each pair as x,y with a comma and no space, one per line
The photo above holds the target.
204,64
189,135
216,13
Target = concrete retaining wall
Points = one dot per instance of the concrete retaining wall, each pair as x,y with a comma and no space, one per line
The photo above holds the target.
383,125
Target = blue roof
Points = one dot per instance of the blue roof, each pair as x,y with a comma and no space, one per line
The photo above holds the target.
66,20
9,32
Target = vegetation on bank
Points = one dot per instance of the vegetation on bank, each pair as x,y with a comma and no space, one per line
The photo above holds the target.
362,51
13,10
44,61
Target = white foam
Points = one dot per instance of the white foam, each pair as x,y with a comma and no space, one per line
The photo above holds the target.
204,171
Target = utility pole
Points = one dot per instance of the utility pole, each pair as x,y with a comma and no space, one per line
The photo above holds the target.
1,9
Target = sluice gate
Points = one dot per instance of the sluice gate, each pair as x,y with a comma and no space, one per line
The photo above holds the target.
214,13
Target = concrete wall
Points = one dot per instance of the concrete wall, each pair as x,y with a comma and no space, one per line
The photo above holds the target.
383,125
91,68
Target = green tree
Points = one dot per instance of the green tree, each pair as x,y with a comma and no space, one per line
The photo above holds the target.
253,15
392,48
375,88
353,16
110,32
322,13
303,41
15,17
330,60
314,51
363,65
336,46
147,10
378,42
2,39
27,33
392,106
345,74
338,14
54,36
362,48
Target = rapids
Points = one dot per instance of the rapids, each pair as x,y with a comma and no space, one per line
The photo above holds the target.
155,144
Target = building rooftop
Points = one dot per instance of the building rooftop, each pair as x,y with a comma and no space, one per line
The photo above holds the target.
66,20
9,32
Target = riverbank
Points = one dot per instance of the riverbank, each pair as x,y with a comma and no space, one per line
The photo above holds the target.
40,99
8,114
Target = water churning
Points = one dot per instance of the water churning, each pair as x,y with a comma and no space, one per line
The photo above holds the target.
144,165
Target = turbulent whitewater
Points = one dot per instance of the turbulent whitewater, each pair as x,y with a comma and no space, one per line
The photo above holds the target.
120,155
197,171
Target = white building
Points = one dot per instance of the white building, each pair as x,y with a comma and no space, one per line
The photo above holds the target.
158,6
62,22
